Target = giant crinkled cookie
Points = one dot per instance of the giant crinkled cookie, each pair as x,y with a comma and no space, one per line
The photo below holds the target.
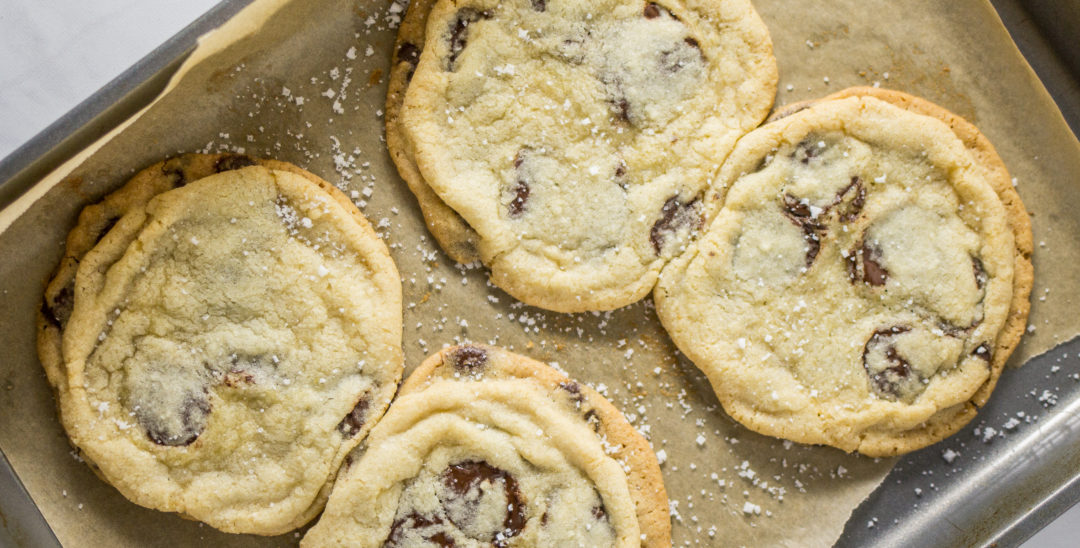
569,144
483,447
865,280
221,333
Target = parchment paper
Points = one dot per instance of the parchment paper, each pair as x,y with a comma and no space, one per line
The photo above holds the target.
304,81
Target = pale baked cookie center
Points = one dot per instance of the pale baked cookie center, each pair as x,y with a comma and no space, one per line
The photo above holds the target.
840,240
578,138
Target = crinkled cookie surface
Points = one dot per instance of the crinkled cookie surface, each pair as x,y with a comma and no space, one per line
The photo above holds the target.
857,286
487,448
576,138
229,342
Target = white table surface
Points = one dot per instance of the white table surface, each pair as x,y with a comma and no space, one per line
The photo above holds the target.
55,53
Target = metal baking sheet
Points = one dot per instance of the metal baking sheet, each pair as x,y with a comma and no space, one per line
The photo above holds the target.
999,480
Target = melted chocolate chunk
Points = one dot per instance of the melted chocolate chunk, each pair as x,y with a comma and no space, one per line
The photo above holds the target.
468,359
354,421
465,477
796,209
521,195
673,216
813,246
193,413
653,10
574,389
873,273
230,162
955,330
409,53
599,512
983,352
176,172
868,256
539,5
799,212
851,200
459,33
807,149
522,189
593,420
417,521
980,272
888,381
59,310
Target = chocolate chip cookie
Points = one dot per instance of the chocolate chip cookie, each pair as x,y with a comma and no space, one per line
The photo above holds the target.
486,447
220,341
865,279
454,235
574,140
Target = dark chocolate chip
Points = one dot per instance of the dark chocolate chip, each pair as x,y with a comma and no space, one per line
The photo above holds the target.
807,149
813,245
620,170
984,352
522,189
888,381
873,273
980,272
469,359
675,215
574,389
851,199
230,162
955,330
868,256
796,209
59,310
465,477
417,521
593,420
539,5
459,33
692,42
521,195
409,53
599,512
354,421
799,212
652,10
193,414
176,172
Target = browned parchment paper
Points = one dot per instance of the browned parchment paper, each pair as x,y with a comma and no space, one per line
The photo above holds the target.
304,81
